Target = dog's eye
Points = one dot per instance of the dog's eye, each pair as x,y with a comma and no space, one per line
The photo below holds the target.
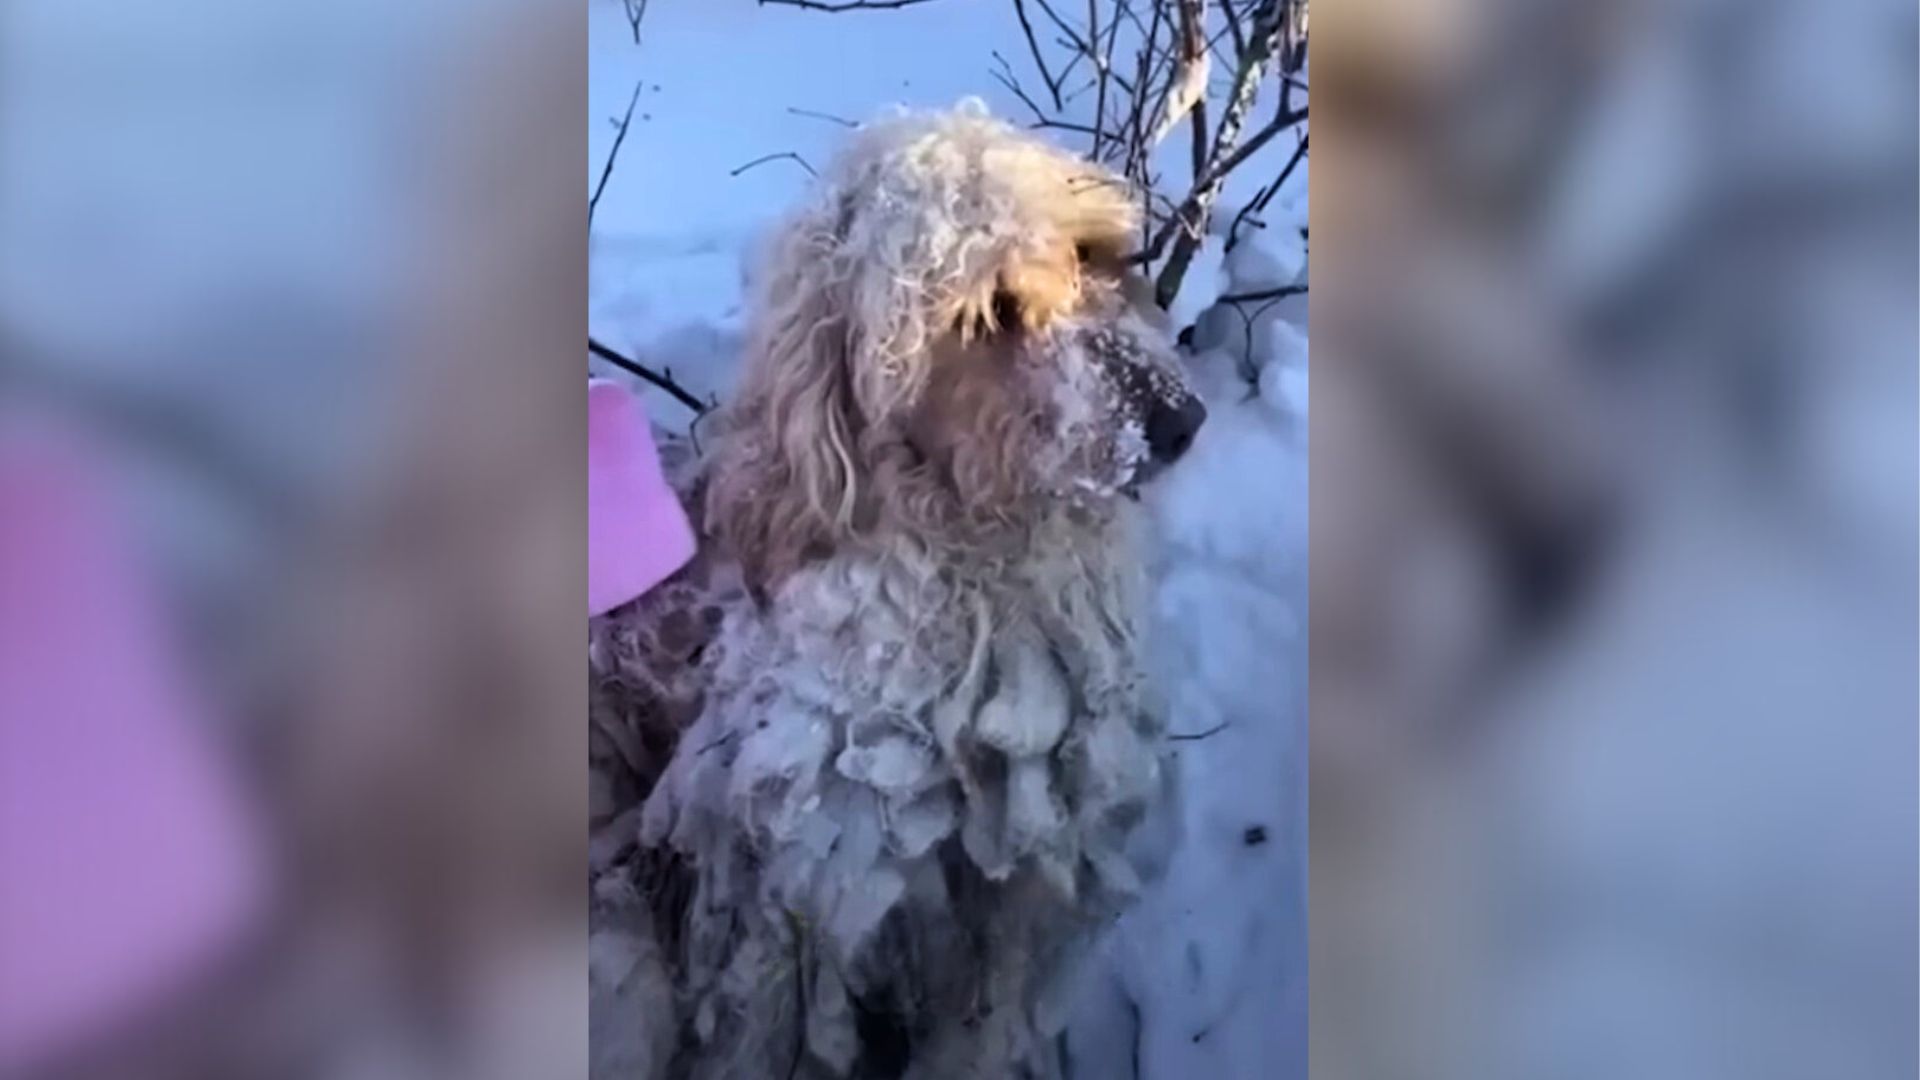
1083,253
1006,310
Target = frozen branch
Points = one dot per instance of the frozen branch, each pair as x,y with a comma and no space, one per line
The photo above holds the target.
1190,223
1165,84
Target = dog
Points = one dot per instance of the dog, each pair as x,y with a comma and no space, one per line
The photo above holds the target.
867,772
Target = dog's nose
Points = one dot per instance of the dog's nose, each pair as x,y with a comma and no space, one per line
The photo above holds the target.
1171,427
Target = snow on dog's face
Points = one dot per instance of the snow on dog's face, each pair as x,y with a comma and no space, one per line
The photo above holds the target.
1079,403
944,342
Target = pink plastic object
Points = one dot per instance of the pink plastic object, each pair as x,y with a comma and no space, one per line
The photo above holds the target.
128,862
637,532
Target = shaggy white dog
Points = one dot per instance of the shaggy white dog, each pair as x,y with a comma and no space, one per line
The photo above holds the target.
867,772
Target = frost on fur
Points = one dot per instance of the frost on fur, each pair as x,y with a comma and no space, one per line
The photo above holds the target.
877,758
907,801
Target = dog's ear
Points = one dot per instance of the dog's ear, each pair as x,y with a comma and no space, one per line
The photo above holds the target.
786,482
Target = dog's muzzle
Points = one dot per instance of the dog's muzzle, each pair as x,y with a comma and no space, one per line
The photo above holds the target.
1171,426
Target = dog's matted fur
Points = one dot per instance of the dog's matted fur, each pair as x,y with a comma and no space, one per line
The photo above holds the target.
891,732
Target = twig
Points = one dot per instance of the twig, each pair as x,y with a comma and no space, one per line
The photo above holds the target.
1053,85
1299,155
1075,95
636,10
1012,84
1192,219
1106,56
1100,99
1059,125
1065,27
841,120
796,158
1259,203
1233,27
1264,294
1215,730
1249,371
606,171
1260,138
1072,62
664,382
1192,211
845,5
1136,128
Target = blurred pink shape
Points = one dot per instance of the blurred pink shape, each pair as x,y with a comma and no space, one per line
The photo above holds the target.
637,532
127,861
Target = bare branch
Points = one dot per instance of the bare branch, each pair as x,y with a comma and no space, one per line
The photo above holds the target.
1259,203
1145,61
1026,27
1166,75
1280,123
1233,28
841,120
636,10
845,5
1219,171
664,382
1072,62
1060,125
1007,79
1066,28
1199,121
796,158
1280,293
1193,28
1249,371
1084,87
606,171
1165,82
1198,735
1100,101
1269,22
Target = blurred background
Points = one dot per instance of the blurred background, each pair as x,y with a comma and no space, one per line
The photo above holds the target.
1614,540
292,525
1613,523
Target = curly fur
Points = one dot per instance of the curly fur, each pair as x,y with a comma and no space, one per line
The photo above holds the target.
910,735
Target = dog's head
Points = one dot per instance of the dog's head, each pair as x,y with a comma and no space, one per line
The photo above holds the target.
946,341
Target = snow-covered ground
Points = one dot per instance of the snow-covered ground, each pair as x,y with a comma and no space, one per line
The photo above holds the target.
1207,977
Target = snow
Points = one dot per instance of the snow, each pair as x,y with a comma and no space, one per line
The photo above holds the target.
1277,254
1203,284
1208,975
